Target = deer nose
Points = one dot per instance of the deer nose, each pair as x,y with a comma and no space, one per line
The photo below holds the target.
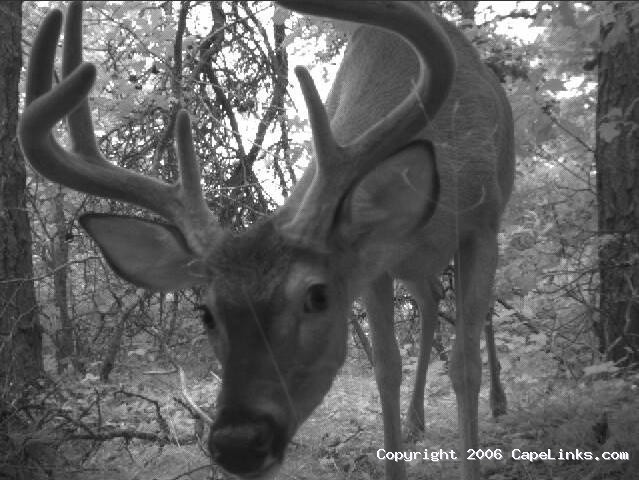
243,443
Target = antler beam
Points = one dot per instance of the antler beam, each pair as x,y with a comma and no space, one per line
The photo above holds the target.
84,168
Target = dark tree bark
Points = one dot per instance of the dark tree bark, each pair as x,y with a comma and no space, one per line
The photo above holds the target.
20,332
60,258
618,186
360,336
467,10
115,342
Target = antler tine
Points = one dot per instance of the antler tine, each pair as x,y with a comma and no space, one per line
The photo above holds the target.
323,139
79,120
201,225
338,168
39,73
84,168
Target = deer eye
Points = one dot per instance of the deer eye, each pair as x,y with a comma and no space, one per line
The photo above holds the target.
207,317
316,300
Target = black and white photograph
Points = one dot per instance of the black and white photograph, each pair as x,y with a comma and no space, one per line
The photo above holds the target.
319,239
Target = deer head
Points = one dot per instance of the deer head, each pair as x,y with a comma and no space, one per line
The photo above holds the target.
277,296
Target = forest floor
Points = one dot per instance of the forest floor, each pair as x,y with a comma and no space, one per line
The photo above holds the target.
342,438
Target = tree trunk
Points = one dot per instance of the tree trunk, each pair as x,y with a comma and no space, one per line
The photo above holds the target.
617,144
20,332
60,254
173,322
116,339
360,335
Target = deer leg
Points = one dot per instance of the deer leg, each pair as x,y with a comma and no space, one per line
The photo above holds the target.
427,295
498,401
378,299
475,265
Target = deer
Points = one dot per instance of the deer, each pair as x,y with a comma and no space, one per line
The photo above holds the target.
412,166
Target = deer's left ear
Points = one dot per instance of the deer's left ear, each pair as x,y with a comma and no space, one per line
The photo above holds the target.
397,197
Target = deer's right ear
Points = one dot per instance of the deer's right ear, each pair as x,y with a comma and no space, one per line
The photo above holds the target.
148,254
397,197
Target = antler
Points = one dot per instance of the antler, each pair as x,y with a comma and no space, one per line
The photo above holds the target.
339,167
84,168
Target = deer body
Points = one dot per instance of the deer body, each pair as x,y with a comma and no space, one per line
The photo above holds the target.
472,134
474,154
413,166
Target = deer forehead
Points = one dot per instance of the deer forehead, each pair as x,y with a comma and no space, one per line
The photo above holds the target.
259,266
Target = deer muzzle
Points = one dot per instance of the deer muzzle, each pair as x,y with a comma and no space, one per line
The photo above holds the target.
246,443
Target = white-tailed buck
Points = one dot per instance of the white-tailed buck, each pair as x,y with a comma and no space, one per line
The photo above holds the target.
413,166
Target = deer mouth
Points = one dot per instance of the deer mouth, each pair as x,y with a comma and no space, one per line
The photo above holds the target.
247,444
